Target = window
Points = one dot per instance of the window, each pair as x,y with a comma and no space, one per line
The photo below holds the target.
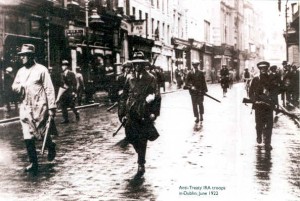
133,11
152,26
206,31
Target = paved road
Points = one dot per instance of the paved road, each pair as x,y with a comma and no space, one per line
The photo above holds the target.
218,160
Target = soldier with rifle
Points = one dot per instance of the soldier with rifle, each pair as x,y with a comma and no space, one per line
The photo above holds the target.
263,102
140,110
197,87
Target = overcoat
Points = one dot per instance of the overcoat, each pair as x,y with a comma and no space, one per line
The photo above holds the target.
139,125
38,96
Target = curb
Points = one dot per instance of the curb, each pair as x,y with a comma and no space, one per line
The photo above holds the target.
58,111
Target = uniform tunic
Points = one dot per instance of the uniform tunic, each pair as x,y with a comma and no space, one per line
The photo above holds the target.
39,96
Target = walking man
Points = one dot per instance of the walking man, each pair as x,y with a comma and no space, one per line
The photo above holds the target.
197,87
141,111
259,93
224,79
34,84
67,92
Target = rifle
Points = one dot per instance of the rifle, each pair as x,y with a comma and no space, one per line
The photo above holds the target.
46,134
116,132
276,109
205,94
112,107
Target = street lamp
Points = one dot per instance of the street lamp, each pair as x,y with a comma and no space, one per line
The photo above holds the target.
95,20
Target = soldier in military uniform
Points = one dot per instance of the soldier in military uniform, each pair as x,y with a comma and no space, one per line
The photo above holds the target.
140,111
67,94
197,87
275,85
259,93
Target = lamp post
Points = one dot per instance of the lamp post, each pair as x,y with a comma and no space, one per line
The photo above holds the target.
93,23
286,31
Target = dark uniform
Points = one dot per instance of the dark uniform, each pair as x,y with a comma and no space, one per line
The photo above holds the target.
141,110
224,72
67,99
259,93
197,87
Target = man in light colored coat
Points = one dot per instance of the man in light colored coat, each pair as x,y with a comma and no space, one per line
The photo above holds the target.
35,87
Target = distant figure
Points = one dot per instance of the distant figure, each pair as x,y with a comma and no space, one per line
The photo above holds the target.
247,79
9,94
36,90
67,92
80,85
224,73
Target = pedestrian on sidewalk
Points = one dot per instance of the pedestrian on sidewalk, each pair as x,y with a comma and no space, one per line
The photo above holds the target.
259,93
80,85
67,93
197,87
140,110
36,90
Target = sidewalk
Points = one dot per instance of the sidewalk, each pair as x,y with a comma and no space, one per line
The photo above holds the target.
100,97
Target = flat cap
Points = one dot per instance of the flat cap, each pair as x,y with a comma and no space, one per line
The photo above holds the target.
263,64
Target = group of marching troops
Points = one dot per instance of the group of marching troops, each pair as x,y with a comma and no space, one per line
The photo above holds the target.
139,101
264,90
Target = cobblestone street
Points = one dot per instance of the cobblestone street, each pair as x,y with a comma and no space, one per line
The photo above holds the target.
221,152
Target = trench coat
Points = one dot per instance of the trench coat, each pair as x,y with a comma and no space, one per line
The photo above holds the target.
38,96
139,125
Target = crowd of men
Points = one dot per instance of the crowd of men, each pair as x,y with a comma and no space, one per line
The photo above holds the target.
137,91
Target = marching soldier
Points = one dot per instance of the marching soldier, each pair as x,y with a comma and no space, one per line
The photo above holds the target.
67,92
224,79
275,85
140,111
35,87
197,87
259,93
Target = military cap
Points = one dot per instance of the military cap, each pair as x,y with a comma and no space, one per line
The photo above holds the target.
284,63
9,69
263,64
65,62
273,67
138,55
27,49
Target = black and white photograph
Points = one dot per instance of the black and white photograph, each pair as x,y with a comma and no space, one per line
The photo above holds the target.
149,100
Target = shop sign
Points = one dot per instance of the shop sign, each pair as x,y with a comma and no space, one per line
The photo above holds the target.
125,26
74,32
197,45
138,27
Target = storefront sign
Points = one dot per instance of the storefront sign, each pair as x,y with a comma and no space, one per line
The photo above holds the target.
138,27
125,26
74,32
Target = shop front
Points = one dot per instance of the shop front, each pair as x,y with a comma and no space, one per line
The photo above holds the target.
181,50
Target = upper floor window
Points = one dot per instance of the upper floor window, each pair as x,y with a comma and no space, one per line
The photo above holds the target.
206,31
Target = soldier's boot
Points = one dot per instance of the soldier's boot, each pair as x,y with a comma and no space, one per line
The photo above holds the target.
51,149
31,151
141,171
259,137
201,117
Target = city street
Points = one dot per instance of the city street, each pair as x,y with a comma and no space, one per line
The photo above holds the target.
216,160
